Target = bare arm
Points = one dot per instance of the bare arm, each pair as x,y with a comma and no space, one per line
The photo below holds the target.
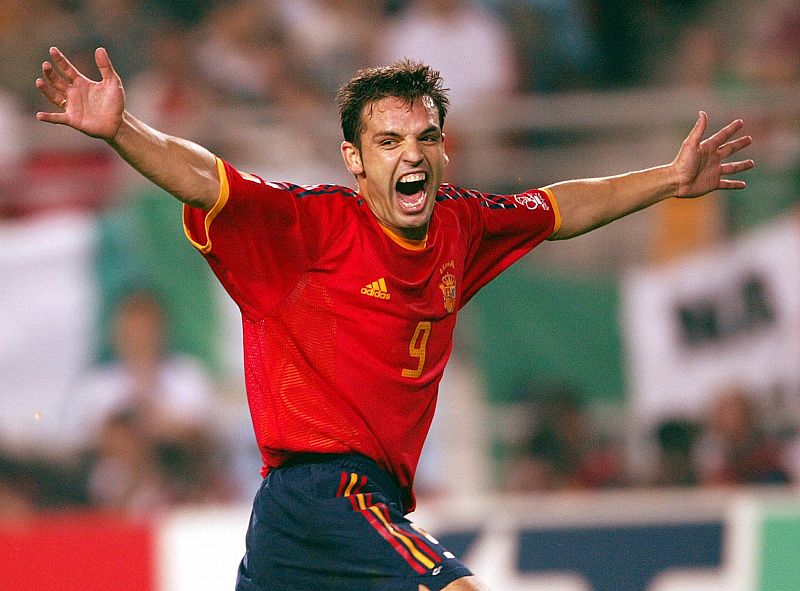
699,168
184,169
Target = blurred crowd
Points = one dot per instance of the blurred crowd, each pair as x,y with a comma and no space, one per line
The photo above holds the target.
735,442
254,80
140,430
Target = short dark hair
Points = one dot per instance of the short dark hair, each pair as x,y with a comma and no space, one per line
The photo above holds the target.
406,80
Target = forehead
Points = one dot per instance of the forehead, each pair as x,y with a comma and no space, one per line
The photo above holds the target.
397,114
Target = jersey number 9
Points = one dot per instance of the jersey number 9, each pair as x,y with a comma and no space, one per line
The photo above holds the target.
416,349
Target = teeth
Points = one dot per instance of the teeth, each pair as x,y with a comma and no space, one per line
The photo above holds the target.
416,203
412,178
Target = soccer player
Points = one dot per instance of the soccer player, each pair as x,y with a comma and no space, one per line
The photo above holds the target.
349,299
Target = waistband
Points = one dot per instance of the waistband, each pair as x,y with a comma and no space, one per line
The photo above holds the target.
354,462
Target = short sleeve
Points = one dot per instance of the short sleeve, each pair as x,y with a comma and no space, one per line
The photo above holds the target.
252,238
507,228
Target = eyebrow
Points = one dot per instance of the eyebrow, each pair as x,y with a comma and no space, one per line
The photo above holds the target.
389,133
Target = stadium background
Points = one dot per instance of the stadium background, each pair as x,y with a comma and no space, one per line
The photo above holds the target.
585,408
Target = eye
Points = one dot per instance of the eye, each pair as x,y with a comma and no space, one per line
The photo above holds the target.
388,142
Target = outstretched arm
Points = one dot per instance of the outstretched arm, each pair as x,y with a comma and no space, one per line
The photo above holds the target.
184,169
699,168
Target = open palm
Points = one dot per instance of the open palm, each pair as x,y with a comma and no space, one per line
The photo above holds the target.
95,108
701,165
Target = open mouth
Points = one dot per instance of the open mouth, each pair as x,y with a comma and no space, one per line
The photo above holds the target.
411,190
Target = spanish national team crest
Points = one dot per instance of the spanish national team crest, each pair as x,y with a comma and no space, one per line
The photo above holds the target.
448,286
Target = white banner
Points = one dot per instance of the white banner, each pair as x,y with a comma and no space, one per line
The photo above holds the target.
727,317
47,304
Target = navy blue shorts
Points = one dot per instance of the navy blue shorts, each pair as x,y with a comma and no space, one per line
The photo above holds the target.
336,523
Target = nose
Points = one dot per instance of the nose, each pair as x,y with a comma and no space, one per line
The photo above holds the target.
412,153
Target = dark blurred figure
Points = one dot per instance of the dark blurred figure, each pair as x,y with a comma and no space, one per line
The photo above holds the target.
122,472
24,28
563,451
738,449
16,499
131,470
676,440
31,484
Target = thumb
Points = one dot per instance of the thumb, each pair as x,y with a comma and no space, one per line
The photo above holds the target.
699,129
57,118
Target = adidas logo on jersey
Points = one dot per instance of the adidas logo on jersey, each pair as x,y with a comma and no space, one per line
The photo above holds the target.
377,289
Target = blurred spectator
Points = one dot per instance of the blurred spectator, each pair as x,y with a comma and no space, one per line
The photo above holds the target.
145,418
50,169
17,492
123,27
26,29
196,464
122,469
738,450
467,43
130,469
786,41
140,242
553,44
11,147
319,47
161,94
676,453
770,51
169,393
244,54
699,60
562,451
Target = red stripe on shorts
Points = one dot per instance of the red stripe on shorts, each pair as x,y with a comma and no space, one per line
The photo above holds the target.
394,542
415,536
342,484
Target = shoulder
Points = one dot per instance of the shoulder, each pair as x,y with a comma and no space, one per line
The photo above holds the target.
321,192
250,183
317,198
471,198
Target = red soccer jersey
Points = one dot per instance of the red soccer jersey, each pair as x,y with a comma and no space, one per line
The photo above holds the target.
347,329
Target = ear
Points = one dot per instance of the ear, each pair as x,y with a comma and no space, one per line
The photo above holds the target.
352,158
444,151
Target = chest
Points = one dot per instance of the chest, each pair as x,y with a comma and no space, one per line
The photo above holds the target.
392,308
394,284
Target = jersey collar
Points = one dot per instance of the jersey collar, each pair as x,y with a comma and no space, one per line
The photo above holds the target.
405,242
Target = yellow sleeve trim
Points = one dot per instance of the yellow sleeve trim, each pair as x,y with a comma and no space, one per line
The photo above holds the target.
556,210
222,199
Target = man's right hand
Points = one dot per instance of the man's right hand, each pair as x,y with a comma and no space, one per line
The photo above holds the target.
182,168
95,108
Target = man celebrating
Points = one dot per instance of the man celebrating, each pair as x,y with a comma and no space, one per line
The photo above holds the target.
349,300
